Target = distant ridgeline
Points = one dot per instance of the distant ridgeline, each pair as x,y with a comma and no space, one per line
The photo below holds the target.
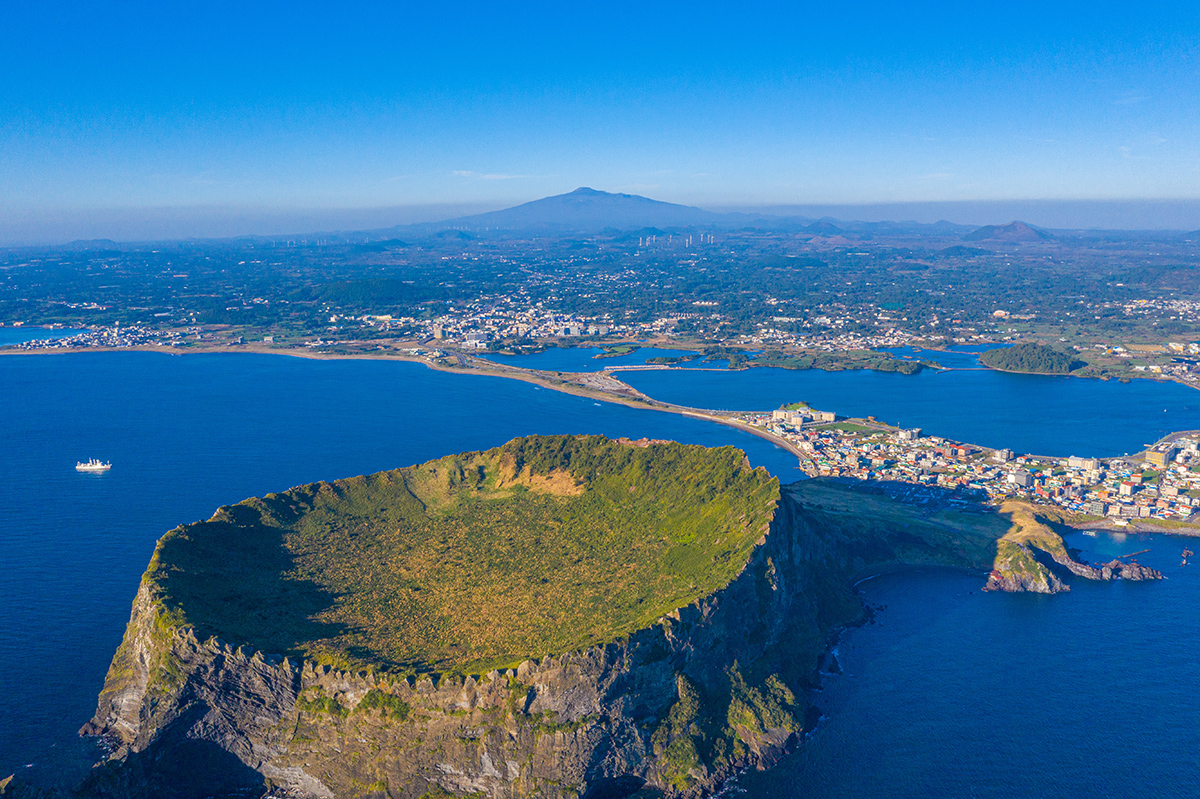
1031,357
557,617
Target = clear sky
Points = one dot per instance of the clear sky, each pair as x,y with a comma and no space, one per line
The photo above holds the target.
129,105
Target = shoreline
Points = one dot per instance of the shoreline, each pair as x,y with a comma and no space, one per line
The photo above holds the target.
573,383
552,380
303,353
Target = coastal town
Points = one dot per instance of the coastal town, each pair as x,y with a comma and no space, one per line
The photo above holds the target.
110,337
1162,484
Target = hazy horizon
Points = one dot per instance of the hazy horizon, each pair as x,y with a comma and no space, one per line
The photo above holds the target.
216,222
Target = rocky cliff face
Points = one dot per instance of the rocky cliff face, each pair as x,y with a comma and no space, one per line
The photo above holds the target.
672,710
1017,568
1028,556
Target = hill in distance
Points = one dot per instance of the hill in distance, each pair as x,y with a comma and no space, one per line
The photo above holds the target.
1013,232
589,209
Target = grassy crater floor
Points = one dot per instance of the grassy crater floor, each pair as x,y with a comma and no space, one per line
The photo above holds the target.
474,561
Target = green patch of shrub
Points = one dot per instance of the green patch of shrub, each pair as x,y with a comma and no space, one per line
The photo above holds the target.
389,705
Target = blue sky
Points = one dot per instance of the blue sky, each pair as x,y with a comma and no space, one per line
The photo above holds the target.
315,105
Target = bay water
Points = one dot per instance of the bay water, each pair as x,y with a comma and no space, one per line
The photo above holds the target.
582,359
1038,414
954,692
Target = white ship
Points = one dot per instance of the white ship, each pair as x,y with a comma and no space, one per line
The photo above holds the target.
93,465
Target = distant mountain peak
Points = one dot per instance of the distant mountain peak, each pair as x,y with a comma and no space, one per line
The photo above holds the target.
587,209
1013,231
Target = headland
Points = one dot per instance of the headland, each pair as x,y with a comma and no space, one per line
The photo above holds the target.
560,616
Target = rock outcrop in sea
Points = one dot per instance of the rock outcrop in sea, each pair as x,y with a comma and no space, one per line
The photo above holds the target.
1033,557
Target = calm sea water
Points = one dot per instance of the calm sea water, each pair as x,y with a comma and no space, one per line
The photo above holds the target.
957,357
1044,415
958,693
188,433
952,693
1037,414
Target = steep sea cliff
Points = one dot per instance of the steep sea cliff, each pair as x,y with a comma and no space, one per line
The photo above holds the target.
555,726
672,708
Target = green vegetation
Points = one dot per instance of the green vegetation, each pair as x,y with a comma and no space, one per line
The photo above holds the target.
1031,357
1032,529
1088,288
546,722
383,292
759,709
619,349
847,427
314,700
675,741
670,360
545,545
389,706
439,793
1031,526
859,519
838,361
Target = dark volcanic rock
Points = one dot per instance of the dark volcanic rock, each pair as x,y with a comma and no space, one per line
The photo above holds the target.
1132,570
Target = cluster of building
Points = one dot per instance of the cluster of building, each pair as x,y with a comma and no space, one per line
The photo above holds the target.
115,336
830,342
478,324
1183,363
1162,308
492,318
1162,486
829,328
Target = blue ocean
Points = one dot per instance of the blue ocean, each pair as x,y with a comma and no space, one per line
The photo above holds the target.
187,434
950,693
953,692
1038,414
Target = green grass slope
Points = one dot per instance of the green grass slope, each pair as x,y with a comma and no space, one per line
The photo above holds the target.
474,561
